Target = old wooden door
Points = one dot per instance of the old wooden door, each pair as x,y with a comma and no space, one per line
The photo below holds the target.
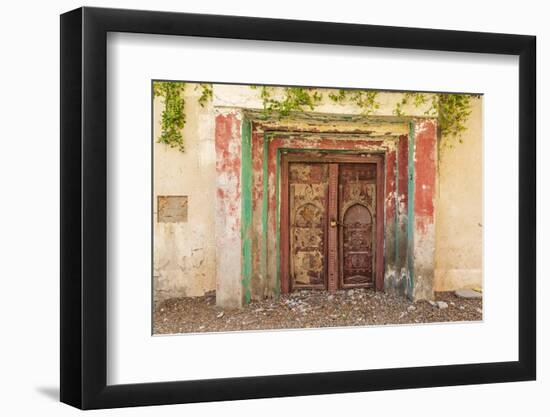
357,214
308,198
329,227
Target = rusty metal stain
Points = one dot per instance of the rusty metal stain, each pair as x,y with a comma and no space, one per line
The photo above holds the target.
172,209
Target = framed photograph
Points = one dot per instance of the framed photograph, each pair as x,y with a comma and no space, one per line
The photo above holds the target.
257,208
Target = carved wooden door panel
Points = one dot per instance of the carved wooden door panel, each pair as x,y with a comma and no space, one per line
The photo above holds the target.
357,220
330,233
308,197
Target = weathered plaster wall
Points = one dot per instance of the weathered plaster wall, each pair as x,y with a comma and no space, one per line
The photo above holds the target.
238,96
228,202
422,248
459,231
184,253
385,144
206,252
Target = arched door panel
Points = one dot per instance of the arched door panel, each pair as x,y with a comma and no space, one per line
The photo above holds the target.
357,198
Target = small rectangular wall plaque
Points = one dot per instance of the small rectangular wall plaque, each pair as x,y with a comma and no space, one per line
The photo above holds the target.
172,209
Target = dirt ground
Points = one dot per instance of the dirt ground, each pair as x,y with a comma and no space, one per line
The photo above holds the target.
310,309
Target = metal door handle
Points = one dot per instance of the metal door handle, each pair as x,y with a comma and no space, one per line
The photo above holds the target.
334,223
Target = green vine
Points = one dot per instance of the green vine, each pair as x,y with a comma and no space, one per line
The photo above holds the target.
452,110
365,100
173,116
206,94
294,99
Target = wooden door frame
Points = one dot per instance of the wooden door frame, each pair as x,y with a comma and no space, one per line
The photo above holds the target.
305,155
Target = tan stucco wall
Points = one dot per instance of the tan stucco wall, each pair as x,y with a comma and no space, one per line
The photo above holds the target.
184,253
459,209
239,96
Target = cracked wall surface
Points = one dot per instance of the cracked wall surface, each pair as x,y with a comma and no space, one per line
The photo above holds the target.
184,252
459,231
206,252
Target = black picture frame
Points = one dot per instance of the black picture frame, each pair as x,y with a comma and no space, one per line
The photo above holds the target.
84,207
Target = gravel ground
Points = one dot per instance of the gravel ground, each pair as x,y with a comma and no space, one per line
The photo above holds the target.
311,309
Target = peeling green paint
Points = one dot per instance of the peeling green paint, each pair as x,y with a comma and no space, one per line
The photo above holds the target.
397,207
246,208
277,289
410,213
265,199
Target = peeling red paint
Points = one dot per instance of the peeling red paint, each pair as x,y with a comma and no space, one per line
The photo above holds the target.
228,144
299,142
390,187
403,187
257,169
228,167
294,142
257,270
228,186
425,173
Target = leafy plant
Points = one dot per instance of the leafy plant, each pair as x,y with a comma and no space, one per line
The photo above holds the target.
173,115
364,99
206,95
417,99
452,111
294,99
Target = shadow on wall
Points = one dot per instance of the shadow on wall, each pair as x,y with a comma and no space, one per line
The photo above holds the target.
49,392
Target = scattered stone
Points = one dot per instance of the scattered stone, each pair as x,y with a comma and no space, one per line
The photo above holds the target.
312,310
468,293
350,293
432,303
442,305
